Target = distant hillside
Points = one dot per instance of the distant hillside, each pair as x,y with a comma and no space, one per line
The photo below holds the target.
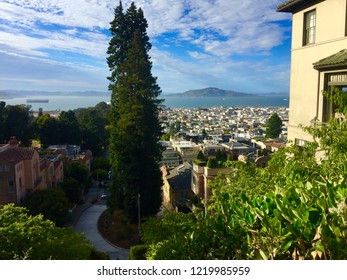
208,92
5,94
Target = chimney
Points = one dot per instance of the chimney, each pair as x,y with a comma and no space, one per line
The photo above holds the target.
13,142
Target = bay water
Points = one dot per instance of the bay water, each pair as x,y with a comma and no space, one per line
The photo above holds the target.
64,103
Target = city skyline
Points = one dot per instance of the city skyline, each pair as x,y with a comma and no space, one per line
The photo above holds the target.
227,44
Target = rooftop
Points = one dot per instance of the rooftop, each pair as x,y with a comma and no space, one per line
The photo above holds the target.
180,177
293,6
335,60
16,155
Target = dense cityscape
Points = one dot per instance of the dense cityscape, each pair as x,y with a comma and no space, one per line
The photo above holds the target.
243,121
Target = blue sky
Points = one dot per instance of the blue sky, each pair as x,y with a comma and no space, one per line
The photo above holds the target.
60,45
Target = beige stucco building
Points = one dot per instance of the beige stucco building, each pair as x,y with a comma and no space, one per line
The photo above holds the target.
22,171
318,61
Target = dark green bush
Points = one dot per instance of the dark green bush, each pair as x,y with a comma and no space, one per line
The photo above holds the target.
138,252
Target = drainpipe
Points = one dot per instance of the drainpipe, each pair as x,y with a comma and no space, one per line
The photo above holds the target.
318,93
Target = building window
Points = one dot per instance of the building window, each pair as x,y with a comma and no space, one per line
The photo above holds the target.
309,28
300,142
335,82
11,187
329,108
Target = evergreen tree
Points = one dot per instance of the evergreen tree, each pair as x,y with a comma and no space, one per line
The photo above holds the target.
122,30
274,127
135,129
118,44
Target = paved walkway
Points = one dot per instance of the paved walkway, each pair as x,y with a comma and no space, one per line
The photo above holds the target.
87,223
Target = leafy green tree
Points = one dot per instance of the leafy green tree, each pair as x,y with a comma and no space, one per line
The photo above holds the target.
80,172
17,122
46,129
135,129
40,113
201,156
100,163
93,124
165,137
72,189
76,181
24,236
174,128
69,128
162,236
51,203
274,127
100,174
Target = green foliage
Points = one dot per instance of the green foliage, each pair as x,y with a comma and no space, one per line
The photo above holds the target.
165,137
138,252
93,124
162,236
339,98
69,128
85,126
79,172
100,163
15,120
221,157
174,128
100,174
200,162
31,237
218,162
201,156
47,130
51,203
135,129
211,163
73,189
274,127
204,134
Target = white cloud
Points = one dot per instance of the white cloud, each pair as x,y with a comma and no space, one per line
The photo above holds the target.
23,72
237,21
215,30
178,75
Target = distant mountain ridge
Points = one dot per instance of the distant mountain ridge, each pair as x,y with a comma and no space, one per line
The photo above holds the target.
205,92
208,92
7,94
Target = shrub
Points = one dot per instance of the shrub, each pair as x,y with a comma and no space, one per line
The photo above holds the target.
200,162
138,252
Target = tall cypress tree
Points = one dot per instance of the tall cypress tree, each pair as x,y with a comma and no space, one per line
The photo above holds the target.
118,44
135,132
274,127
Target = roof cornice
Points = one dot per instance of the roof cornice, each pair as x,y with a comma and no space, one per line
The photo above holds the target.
335,61
293,6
